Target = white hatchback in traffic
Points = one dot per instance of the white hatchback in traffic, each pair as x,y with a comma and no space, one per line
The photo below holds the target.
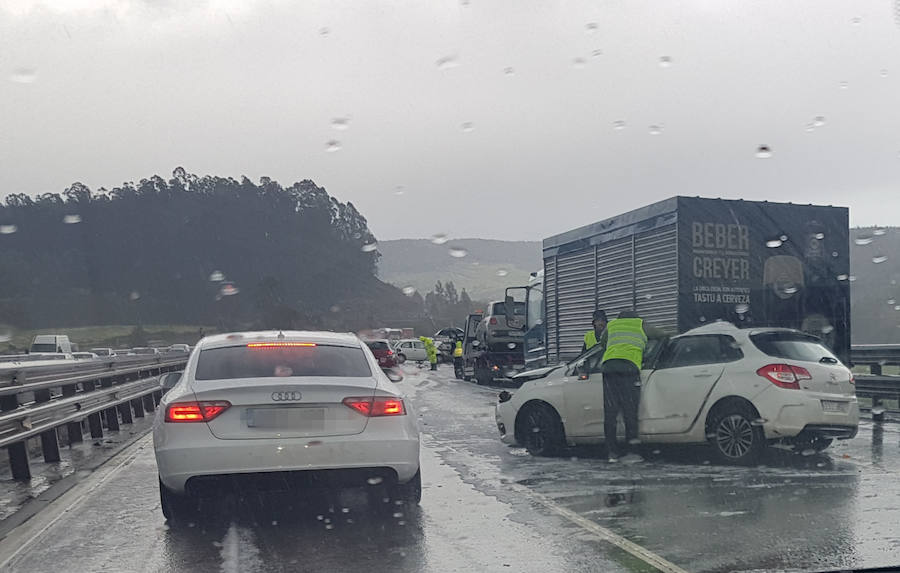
286,409
736,389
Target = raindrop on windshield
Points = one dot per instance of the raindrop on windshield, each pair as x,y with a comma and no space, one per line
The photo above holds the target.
502,272
844,85
884,73
741,308
783,238
619,125
879,232
329,526
763,152
439,238
656,129
790,289
851,278
134,295
808,452
374,480
509,71
591,27
578,62
818,121
511,345
324,31
827,329
878,259
892,301
467,126
774,243
665,61
23,75
409,290
335,308
863,240
72,219
216,276
597,53
702,319
332,145
340,123
897,307
368,247
856,21
8,229
820,236
398,190
229,290
447,62
842,277
458,252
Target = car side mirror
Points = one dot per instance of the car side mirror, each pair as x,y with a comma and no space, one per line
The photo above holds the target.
393,374
168,381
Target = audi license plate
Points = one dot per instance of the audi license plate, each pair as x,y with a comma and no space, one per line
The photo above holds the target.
835,406
304,419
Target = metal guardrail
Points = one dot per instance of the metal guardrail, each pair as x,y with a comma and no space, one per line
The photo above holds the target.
40,399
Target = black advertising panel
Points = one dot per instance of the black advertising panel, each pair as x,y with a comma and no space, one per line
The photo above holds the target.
765,264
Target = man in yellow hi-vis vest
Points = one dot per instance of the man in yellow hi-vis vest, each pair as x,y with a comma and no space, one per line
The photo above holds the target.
458,359
624,340
591,337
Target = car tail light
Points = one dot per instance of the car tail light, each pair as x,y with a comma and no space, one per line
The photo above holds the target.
784,375
390,352
852,379
195,411
377,406
493,320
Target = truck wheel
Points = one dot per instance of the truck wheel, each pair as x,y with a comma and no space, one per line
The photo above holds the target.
733,436
176,507
541,430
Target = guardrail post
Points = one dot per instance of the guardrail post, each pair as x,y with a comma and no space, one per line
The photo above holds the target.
875,369
138,406
73,429
49,439
125,410
18,452
111,414
149,404
93,419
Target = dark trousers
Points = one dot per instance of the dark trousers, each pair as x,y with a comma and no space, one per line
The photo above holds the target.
620,394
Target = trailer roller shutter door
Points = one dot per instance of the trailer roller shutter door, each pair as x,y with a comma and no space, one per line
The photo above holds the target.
576,298
550,309
615,268
656,277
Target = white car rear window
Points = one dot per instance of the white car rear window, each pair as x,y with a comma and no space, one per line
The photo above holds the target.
793,346
276,361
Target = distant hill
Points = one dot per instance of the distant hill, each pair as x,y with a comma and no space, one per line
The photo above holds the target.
875,294
420,263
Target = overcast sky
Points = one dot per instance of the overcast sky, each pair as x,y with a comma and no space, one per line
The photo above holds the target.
109,91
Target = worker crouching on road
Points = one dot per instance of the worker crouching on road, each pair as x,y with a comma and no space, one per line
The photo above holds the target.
430,350
624,340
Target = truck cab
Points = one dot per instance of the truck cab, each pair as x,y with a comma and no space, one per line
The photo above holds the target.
51,344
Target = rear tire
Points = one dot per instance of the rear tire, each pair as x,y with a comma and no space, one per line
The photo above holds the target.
401,358
176,507
410,493
733,436
541,430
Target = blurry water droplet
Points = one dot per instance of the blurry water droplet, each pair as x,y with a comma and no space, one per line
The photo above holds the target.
851,278
656,129
878,259
856,21
374,480
842,277
763,152
398,515
335,308
134,295
655,452
706,462
834,254
368,247
884,73
741,308
535,430
439,238
447,62
467,126
345,510
332,145
820,236
511,345
329,526
828,329
8,229
810,127
591,27
808,452
229,290
596,53
274,522
711,436
879,232
702,319
818,121
820,465
665,61
783,238
863,240
619,125
324,31
897,307
844,85
320,517
509,71
23,75
409,290
578,62
790,289
458,252
357,235
72,219
758,422
502,272
340,123
648,297
774,243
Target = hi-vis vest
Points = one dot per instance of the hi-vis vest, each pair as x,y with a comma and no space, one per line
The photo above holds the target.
457,352
590,339
626,340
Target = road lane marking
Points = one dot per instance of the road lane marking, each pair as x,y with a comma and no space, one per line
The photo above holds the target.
26,534
603,533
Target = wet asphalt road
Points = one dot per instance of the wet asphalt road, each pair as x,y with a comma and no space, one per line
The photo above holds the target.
487,507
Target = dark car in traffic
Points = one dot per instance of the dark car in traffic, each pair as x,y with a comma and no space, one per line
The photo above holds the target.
381,348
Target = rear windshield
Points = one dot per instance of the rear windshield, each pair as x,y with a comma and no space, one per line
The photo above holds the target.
378,345
793,346
500,308
268,362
